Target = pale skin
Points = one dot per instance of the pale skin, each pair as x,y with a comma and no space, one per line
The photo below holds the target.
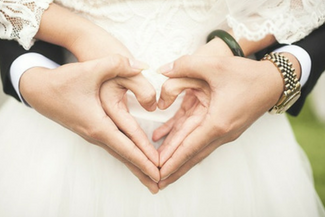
89,97
221,102
116,71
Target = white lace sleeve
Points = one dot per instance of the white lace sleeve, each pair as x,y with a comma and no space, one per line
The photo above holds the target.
20,19
287,20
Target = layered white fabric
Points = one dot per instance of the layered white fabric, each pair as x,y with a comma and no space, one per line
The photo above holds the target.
49,171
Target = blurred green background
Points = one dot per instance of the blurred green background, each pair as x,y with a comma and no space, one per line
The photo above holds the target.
310,133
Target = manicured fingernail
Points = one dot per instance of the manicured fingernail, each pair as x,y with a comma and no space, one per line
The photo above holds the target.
166,68
136,64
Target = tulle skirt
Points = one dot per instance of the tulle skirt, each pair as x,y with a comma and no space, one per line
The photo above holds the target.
45,170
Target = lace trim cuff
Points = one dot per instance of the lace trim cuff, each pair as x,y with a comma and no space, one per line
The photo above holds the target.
20,20
288,23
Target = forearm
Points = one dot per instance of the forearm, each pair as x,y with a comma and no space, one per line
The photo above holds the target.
80,36
251,47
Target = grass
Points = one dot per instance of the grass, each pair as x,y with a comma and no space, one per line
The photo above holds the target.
310,133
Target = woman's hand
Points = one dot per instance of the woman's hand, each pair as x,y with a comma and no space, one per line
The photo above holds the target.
208,82
232,93
71,95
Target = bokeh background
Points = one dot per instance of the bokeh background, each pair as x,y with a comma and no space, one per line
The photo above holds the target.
309,128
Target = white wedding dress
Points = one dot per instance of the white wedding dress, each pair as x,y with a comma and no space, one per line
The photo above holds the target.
45,170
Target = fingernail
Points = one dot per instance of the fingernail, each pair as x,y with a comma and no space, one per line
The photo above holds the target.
152,191
156,181
153,107
166,68
161,104
136,64
162,179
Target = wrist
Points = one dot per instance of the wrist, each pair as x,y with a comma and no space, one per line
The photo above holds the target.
86,48
24,62
228,40
274,82
291,86
217,47
250,47
31,84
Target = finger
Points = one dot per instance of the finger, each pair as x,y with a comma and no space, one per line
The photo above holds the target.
187,104
144,179
112,66
164,129
142,89
113,103
191,66
128,125
177,136
192,144
173,87
188,165
122,145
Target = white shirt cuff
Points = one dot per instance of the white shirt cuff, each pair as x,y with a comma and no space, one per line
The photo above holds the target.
25,62
302,57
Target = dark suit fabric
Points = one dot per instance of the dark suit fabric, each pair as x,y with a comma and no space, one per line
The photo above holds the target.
314,44
10,50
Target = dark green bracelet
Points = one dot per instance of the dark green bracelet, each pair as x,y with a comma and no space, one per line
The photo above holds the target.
228,39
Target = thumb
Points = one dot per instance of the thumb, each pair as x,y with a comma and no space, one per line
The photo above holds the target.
190,66
114,65
175,86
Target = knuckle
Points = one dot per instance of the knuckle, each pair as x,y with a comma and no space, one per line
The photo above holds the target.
168,87
233,137
221,128
94,133
117,61
147,95
97,132
133,131
146,166
184,62
217,64
129,154
190,154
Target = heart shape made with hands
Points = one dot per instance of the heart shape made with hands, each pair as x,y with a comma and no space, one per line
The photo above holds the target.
186,119
191,113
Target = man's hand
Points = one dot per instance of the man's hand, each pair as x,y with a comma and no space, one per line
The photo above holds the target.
227,94
72,94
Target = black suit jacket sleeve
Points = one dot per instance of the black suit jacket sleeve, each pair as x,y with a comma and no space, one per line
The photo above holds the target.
314,44
10,50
